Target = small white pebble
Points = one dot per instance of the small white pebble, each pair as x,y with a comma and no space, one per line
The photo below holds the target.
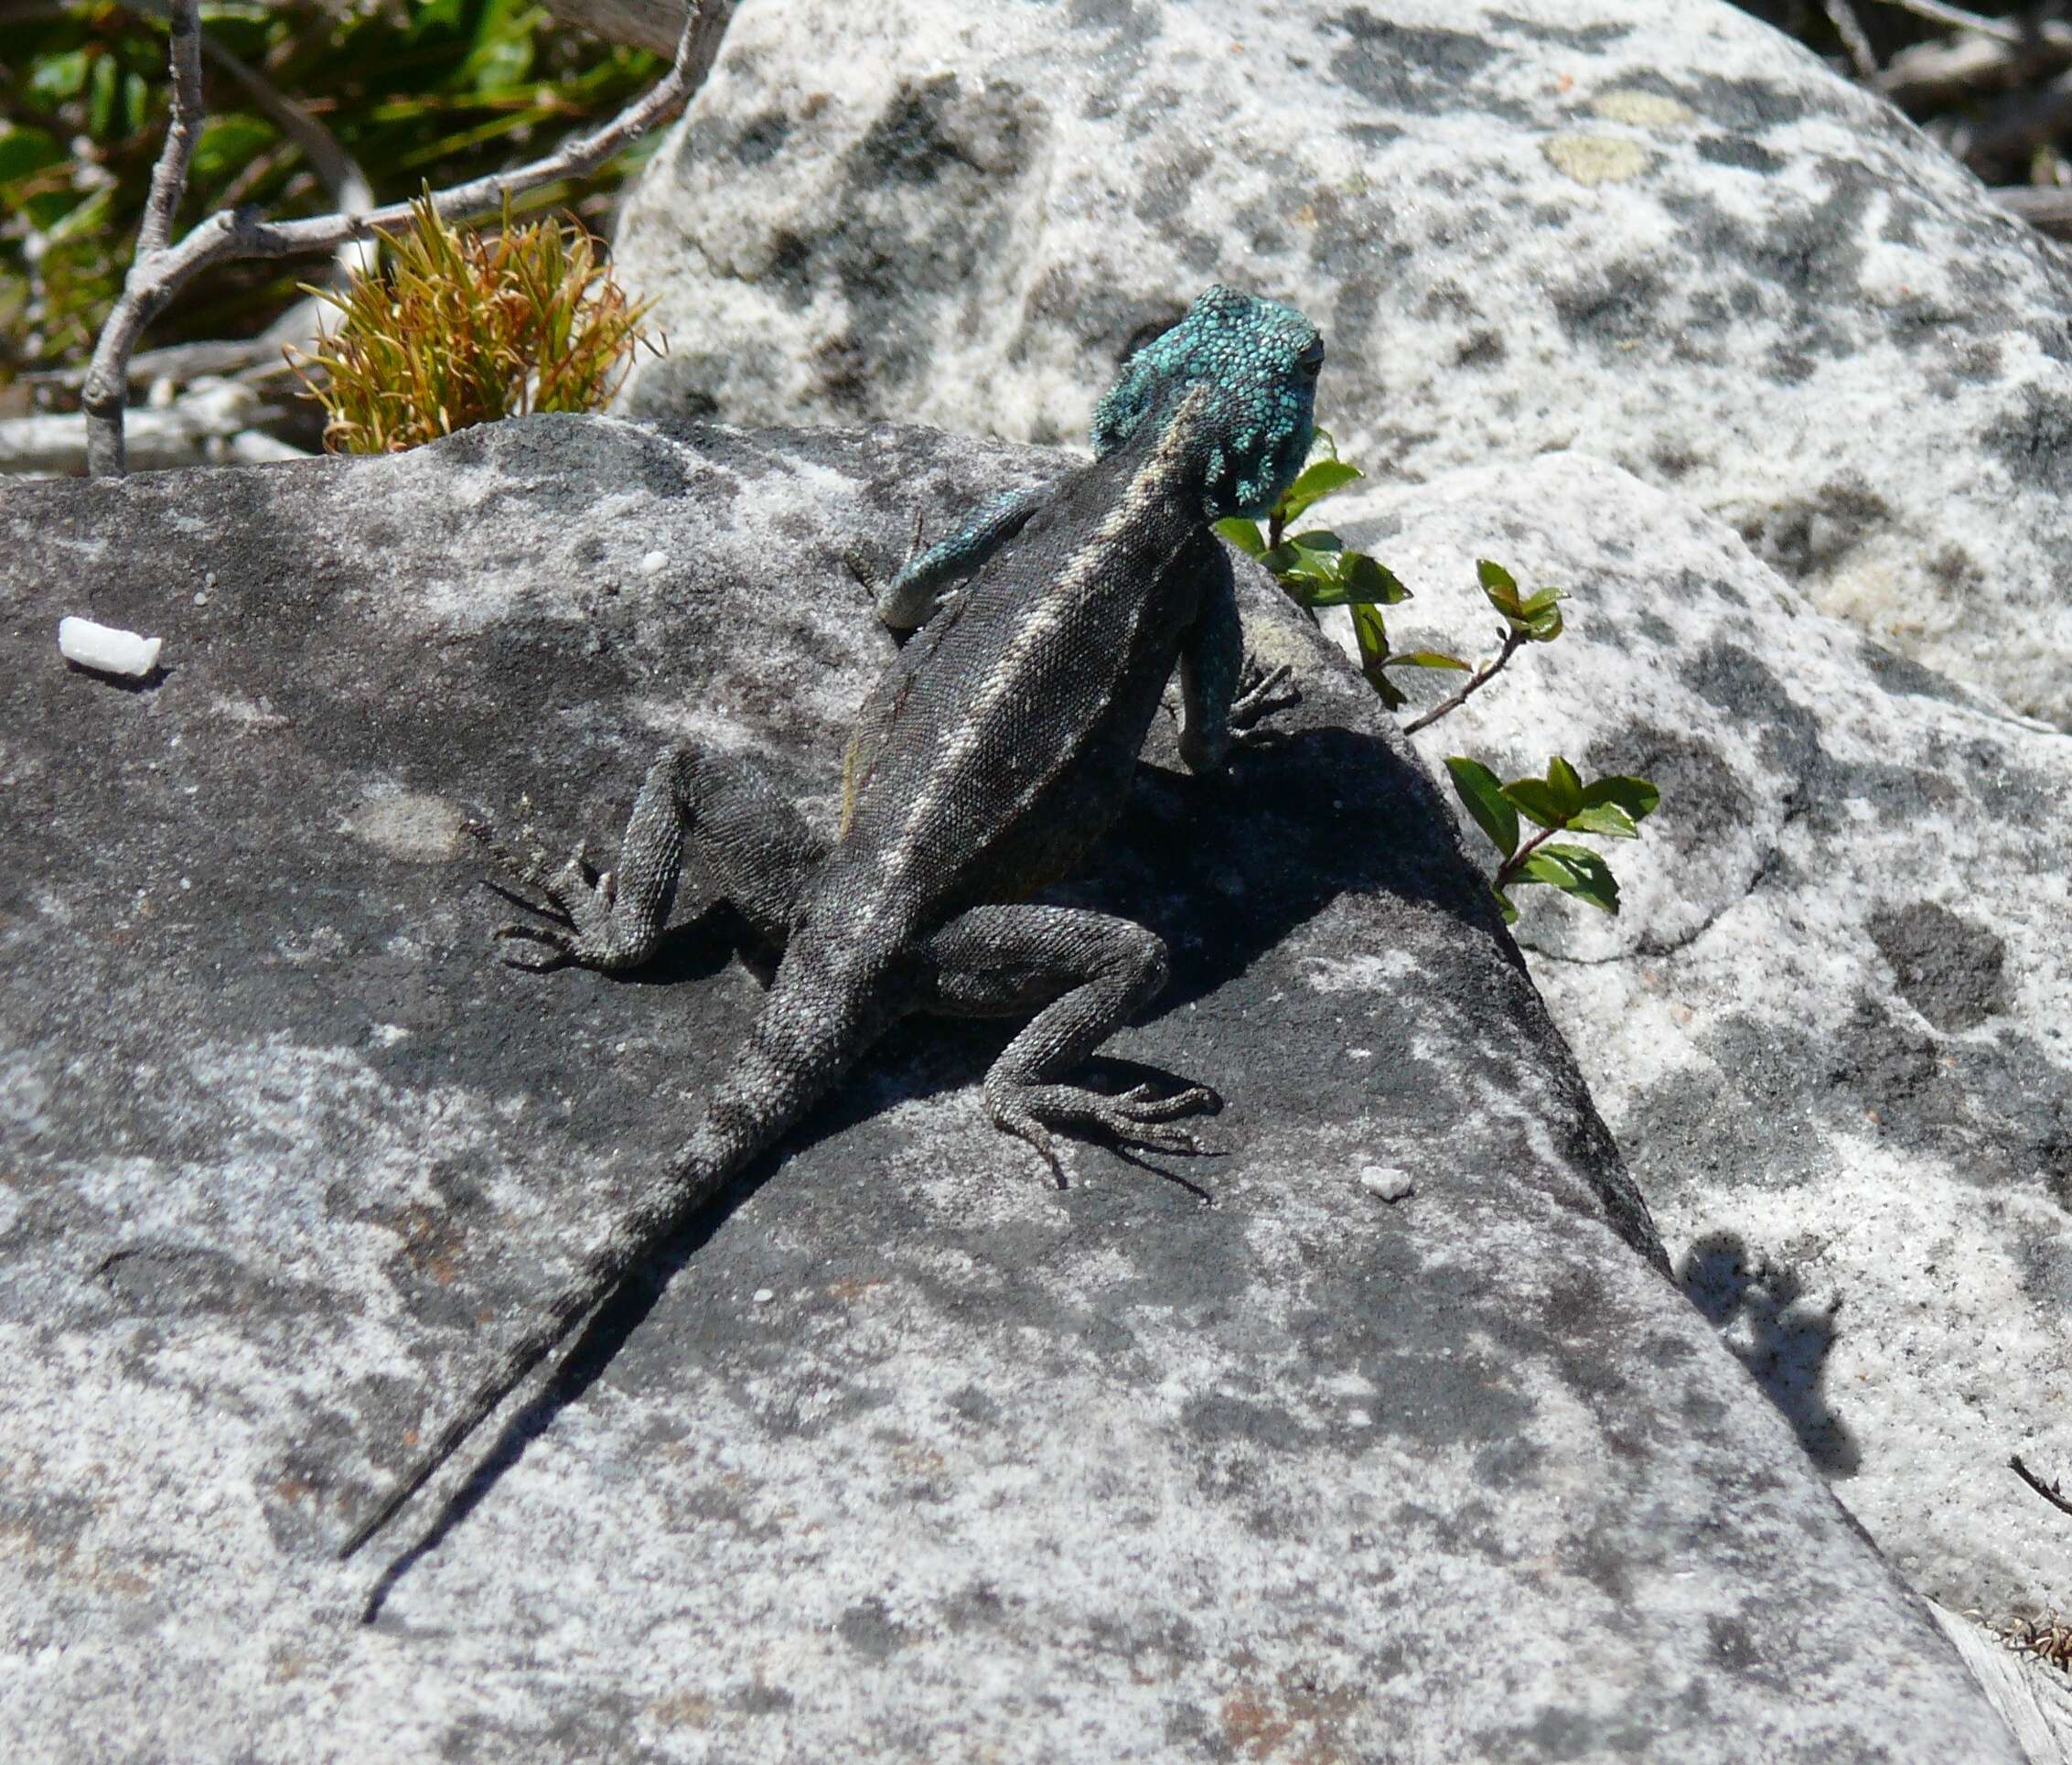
654,563
1387,1181
106,648
765,1295
201,600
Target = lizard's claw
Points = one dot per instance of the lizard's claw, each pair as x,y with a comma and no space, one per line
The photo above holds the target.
1262,693
581,927
1134,1117
576,923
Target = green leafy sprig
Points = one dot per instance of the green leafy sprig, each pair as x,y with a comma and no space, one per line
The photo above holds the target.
1317,569
1559,802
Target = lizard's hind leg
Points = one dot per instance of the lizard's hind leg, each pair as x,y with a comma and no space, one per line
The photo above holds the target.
720,810
1082,974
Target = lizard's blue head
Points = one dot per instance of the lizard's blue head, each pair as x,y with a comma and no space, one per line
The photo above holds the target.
1262,359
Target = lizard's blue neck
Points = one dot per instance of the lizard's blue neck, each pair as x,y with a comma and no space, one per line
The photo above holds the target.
1258,360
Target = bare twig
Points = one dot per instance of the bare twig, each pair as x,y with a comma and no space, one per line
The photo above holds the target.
1937,12
2045,208
1849,28
2048,1491
334,167
1930,77
168,176
1513,640
248,357
215,423
225,236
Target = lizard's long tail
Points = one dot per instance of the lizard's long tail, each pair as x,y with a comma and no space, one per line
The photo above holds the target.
792,1056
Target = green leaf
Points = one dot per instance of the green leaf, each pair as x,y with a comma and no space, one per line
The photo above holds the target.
1537,800
137,102
1567,788
1372,636
1606,818
1244,534
1317,575
1504,905
105,91
1576,870
1317,539
1638,797
23,151
1429,659
501,54
1386,690
1482,792
55,78
1499,586
1369,579
1538,618
1323,479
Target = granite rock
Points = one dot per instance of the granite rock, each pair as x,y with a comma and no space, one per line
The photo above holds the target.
914,1456
1654,231
1831,1027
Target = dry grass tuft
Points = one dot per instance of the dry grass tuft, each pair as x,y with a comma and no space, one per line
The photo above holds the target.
467,327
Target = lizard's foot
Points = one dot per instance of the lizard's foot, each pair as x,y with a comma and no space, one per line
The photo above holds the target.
1135,1117
1261,693
578,926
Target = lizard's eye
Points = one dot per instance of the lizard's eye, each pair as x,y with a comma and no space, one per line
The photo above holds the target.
1312,357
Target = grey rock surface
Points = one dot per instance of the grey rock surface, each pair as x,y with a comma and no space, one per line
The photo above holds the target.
1654,231
1831,1028
914,1457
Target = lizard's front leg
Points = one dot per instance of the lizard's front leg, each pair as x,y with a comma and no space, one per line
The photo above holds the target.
909,600
749,840
1082,974
1224,696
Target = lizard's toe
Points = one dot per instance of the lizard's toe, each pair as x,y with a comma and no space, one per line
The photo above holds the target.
1264,693
1134,1117
551,948
1025,1126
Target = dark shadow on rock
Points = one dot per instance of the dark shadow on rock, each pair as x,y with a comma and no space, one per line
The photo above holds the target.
579,1367
1224,869
1789,1344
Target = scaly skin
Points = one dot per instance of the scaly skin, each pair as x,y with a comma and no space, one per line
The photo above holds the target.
998,745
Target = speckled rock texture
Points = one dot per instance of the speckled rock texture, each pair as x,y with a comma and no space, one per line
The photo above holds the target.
1655,231
909,1454
1832,1026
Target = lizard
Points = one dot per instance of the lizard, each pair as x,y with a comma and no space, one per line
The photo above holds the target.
1193,349
997,745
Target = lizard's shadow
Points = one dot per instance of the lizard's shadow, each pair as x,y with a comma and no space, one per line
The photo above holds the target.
578,1368
1223,869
